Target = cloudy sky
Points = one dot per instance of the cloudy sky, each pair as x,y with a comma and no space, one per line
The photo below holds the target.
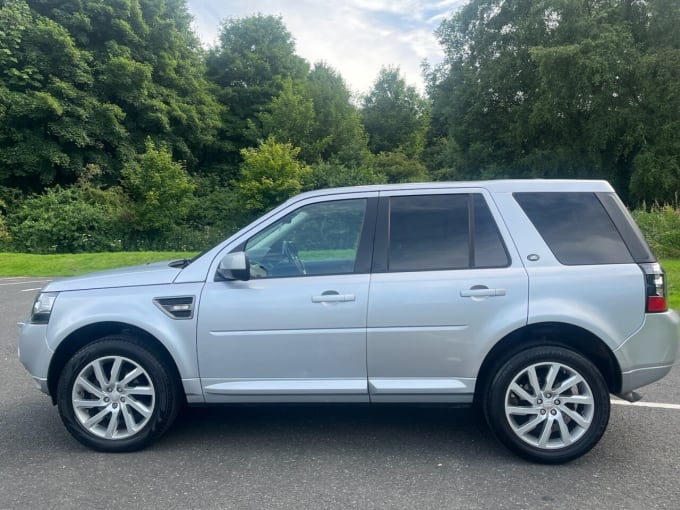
356,37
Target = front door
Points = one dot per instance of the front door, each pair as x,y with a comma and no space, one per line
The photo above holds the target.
296,331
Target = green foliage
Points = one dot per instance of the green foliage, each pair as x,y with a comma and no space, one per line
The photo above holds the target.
394,115
560,88
270,174
661,227
398,167
66,220
160,190
334,175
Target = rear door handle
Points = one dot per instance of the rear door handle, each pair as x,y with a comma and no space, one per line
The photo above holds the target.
485,292
333,297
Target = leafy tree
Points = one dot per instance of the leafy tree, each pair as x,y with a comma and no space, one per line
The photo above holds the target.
338,132
270,174
394,115
558,88
333,175
160,190
250,64
397,166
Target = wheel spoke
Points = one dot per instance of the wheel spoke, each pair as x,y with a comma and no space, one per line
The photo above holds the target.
88,404
94,420
576,399
115,370
113,424
99,373
521,392
129,420
568,383
533,379
565,434
547,431
522,411
87,386
530,425
550,378
580,420
140,390
139,407
130,376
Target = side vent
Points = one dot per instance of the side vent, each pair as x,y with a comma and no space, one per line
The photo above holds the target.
176,307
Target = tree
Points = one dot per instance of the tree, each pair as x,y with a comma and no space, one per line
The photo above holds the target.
394,115
160,190
250,64
270,174
557,88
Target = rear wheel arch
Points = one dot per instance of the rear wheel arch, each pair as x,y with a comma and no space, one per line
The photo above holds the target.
556,334
92,332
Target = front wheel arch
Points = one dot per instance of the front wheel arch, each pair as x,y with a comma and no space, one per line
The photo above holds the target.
92,332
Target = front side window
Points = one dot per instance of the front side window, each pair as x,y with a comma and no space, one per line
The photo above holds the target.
440,232
316,239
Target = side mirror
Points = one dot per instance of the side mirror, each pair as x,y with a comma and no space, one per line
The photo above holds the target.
235,266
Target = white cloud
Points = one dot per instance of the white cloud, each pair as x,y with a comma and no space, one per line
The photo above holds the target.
356,37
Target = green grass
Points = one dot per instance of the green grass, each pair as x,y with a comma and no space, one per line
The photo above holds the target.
672,267
22,264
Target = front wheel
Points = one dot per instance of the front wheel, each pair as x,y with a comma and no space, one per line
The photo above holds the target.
548,404
114,395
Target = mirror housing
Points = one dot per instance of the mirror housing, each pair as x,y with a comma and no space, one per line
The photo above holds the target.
234,266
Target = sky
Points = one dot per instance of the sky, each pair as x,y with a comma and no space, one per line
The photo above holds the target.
355,37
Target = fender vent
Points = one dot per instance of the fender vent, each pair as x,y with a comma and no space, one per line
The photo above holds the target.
176,307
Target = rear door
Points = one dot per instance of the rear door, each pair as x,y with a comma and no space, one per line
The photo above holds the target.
447,284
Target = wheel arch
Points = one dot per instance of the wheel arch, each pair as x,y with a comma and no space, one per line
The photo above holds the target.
81,337
560,334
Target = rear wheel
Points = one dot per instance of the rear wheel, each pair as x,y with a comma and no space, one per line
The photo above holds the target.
548,404
115,395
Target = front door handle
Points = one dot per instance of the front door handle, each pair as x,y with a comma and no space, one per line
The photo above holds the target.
482,292
331,296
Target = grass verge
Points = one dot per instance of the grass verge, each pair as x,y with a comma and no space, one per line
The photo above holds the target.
23,264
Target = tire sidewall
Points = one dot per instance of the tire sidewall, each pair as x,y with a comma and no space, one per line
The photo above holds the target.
128,348
496,394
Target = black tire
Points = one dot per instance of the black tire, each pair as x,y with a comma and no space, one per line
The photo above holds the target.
117,413
550,427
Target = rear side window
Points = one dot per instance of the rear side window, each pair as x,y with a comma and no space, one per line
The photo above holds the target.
440,232
576,227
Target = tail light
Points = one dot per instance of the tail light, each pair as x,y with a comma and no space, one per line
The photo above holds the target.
655,281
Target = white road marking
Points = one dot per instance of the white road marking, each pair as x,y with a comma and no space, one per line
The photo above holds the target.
656,405
29,290
24,282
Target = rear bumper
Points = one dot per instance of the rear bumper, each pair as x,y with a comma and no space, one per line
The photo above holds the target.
649,354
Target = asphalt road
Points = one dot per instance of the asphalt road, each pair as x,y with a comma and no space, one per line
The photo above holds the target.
322,457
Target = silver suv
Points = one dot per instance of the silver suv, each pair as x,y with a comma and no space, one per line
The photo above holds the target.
532,299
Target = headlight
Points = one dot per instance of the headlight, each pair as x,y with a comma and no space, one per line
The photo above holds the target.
42,307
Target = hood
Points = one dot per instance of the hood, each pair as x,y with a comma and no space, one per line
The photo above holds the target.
157,273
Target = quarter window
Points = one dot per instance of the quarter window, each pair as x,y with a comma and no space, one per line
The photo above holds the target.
576,227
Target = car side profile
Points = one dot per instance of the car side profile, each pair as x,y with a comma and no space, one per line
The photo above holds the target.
533,299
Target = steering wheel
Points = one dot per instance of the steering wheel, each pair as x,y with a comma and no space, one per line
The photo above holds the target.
291,253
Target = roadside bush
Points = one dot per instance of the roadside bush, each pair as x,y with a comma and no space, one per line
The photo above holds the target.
67,220
661,226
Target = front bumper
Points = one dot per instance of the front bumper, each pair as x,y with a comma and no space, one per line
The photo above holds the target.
34,353
649,354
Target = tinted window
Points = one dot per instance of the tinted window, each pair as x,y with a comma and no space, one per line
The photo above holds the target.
576,227
432,232
316,239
